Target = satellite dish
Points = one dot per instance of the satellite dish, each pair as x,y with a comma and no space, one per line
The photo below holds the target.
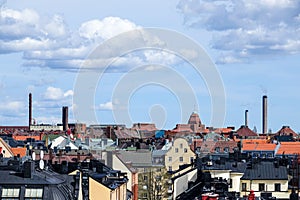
42,155
33,155
42,164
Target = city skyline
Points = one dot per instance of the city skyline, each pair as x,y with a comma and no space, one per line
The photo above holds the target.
254,45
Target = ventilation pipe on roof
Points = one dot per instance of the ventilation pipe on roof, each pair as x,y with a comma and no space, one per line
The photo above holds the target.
30,111
65,118
264,115
246,118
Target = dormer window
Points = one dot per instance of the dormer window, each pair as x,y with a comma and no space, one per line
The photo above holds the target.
226,149
217,149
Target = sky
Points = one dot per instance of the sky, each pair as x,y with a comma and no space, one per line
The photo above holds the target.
254,46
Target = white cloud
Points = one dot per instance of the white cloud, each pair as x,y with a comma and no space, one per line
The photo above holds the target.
12,106
106,106
106,28
53,93
160,57
48,42
255,27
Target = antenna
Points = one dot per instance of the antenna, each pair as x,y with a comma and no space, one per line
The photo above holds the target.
41,163
33,155
42,155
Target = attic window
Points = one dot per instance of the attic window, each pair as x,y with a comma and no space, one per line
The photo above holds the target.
37,193
217,149
10,193
226,149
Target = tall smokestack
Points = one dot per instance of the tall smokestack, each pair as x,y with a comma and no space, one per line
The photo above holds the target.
30,111
265,114
65,117
246,118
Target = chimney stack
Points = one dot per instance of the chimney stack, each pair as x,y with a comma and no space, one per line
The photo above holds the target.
30,111
265,115
246,118
65,117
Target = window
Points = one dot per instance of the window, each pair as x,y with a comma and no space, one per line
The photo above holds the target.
192,159
217,149
10,193
185,150
145,177
277,187
170,159
33,193
170,168
181,159
269,155
261,187
181,145
176,150
226,149
244,186
145,195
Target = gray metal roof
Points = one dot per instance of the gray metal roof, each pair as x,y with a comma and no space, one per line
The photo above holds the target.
141,158
265,171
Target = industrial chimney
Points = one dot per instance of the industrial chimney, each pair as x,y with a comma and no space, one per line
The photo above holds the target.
30,111
264,115
65,117
246,118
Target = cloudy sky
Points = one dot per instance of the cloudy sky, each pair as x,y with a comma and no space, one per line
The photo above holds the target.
254,45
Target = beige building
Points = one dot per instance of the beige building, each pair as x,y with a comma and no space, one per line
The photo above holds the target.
5,149
177,158
266,177
99,191
178,154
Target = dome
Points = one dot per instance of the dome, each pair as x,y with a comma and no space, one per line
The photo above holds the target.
194,119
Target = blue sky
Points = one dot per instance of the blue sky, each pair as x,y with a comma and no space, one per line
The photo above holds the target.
255,45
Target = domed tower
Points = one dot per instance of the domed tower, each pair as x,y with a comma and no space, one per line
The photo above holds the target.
195,122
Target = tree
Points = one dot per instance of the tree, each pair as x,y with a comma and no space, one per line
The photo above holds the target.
153,183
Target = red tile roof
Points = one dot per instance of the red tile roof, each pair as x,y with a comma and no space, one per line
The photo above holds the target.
20,151
258,147
286,130
244,131
289,148
182,128
126,133
210,146
144,126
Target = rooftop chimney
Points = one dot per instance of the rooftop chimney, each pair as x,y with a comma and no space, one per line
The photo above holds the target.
65,117
264,115
30,111
246,118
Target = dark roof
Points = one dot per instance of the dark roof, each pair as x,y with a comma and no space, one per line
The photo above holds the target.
227,165
265,170
38,178
244,131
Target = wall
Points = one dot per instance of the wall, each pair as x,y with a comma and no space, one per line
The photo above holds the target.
180,144
269,187
181,183
6,150
132,177
236,183
97,190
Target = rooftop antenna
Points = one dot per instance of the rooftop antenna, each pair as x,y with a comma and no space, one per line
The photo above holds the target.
33,155
195,109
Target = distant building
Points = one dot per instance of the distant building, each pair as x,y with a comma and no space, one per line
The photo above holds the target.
24,181
266,177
